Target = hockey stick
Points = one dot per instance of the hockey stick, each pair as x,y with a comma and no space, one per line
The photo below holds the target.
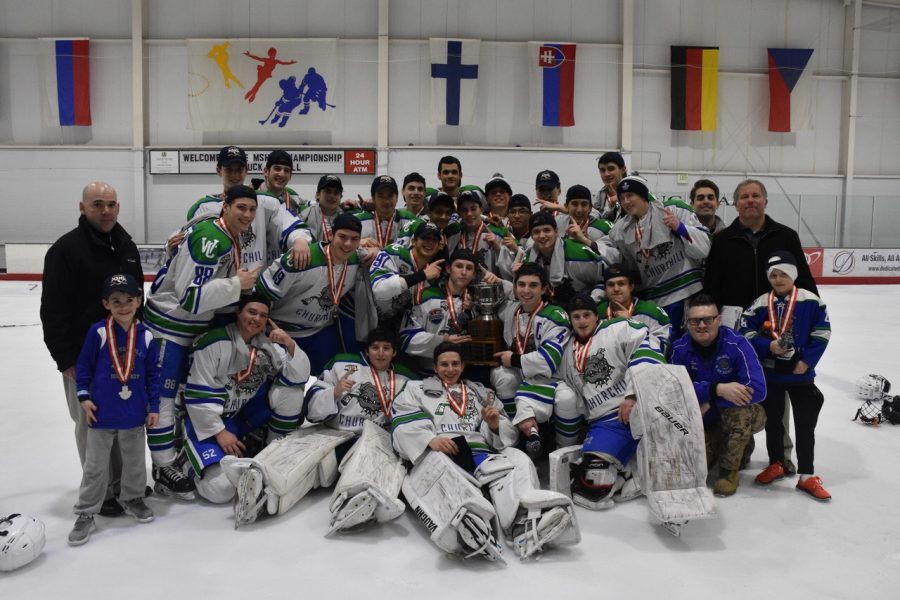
272,112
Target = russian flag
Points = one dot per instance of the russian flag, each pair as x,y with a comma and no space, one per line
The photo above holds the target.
67,81
790,97
552,84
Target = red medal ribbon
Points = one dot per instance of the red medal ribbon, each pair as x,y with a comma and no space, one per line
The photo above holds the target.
477,239
240,376
420,287
123,371
459,409
522,342
336,290
581,355
326,231
235,242
385,399
451,307
383,238
782,325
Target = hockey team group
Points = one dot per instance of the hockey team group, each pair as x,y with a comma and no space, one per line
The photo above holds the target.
644,343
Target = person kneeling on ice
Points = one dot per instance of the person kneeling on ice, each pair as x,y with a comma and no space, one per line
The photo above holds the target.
240,380
596,363
352,399
456,436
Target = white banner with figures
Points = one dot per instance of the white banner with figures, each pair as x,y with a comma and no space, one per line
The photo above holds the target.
261,84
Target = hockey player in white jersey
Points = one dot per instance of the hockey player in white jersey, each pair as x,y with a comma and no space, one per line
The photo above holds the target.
535,331
277,173
274,228
482,238
382,226
579,224
240,380
456,436
319,215
401,272
353,397
621,302
204,275
306,302
596,364
665,243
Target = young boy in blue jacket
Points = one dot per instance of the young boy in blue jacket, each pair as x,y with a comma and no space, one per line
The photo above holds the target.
730,387
117,378
789,328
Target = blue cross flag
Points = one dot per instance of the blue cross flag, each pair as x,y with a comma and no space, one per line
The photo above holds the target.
454,80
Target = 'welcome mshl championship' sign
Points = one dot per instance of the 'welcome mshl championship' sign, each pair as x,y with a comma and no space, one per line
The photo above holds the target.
306,160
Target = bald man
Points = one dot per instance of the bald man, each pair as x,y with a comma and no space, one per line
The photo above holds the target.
75,268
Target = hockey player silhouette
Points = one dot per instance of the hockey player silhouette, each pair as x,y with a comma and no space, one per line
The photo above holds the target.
313,89
284,106
264,71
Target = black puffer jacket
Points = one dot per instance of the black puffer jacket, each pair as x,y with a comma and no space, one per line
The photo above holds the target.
75,268
736,271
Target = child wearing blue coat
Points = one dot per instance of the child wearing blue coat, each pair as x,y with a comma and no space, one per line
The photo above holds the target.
117,378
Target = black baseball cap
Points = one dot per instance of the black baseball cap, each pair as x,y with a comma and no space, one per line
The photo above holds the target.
463,254
581,301
578,192
346,221
519,201
497,181
474,196
326,181
438,198
121,282
428,230
384,182
618,270
280,157
240,191
232,156
541,217
546,180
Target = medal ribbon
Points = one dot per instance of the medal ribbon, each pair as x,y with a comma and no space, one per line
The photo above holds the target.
581,355
522,342
326,231
420,287
451,307
465,238
240,376
459,409
383,238
638,236
336,290
385,399
235,242
123,372
780,326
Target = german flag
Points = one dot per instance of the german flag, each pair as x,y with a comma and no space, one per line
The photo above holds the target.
695,81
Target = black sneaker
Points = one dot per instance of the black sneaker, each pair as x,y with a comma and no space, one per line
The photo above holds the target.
171,481
111,508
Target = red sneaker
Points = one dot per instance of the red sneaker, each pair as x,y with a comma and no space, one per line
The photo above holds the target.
773,472
813,487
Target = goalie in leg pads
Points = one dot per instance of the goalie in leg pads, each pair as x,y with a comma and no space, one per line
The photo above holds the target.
672,450
239,380
448,428
352,399
597,362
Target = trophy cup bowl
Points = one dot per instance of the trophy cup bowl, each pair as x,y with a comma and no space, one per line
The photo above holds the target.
486,329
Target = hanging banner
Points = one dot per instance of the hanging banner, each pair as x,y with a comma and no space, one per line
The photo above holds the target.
262,85
66,74
552,83
454,80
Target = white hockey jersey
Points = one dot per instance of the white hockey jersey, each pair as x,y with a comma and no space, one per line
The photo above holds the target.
391,292
218,384
362,403
429,320
575,263
550,332
423,411
600,374
384,232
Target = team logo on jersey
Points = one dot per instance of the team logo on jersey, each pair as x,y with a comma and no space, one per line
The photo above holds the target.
367,398
437,315
208,247
400,301
240,393
723,366
598,371
323,299
434,394
247,237
662,250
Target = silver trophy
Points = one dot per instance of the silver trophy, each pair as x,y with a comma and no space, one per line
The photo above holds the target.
486,328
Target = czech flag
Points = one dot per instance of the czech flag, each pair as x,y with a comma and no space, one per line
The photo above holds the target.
790,93
695,87
67,81
552,84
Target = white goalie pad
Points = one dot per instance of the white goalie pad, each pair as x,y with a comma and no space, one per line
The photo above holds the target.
530,518
561,462
671,456
450,504
369,486
284,472
564,461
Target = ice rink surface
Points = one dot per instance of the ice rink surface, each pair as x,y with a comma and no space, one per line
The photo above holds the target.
766,542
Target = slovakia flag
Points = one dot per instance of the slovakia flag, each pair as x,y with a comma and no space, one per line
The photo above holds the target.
552,84
67,81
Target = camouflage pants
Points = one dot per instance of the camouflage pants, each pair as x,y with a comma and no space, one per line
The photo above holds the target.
727,438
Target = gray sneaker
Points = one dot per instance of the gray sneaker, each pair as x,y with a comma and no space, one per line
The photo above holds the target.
137,509
82,530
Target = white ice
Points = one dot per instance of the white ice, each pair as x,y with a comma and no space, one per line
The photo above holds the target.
765,542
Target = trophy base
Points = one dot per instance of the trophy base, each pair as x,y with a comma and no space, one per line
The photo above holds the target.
480,351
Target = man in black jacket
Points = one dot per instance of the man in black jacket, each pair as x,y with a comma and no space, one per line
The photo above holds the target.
75,268
736,265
